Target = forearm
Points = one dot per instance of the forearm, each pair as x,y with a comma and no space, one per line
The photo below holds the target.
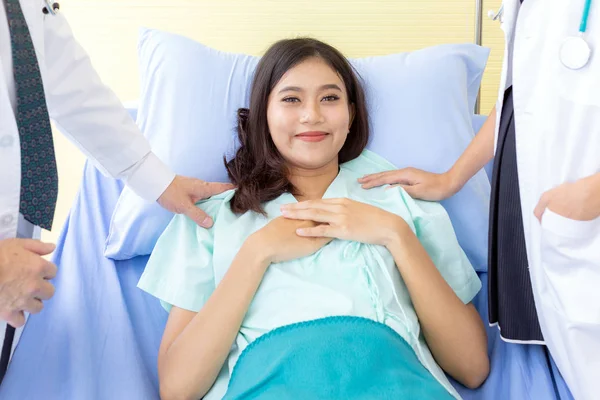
479,152
454,331
189,367
594,183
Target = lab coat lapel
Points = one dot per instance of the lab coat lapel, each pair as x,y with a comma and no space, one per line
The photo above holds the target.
509,20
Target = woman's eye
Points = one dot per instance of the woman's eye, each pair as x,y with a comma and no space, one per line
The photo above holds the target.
331,98
291,100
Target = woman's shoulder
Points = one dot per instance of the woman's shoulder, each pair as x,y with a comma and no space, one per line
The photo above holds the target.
366,163
394,199
214,204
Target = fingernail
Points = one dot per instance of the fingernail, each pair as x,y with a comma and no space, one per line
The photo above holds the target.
206,222
300,231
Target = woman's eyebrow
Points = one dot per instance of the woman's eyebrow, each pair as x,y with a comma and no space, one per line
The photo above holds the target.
290,89
330,86
299,89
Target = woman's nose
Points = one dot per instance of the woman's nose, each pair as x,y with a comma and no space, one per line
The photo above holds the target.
311,114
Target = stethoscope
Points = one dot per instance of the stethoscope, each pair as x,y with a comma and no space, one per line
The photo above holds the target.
575,52
51,7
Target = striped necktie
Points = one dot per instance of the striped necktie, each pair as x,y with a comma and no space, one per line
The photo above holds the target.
39,178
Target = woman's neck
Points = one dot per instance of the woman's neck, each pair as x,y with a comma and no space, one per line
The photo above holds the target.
312,184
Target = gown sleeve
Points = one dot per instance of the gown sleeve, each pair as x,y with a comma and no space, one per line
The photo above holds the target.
435,232
180,269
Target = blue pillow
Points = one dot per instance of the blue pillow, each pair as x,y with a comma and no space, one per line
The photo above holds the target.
420,105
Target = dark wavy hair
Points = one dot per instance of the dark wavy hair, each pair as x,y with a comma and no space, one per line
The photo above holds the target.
258,169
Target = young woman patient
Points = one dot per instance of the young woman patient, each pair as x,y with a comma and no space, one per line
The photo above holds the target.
308,286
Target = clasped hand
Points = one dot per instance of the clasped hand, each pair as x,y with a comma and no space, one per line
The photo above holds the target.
347,220
24,278
306,227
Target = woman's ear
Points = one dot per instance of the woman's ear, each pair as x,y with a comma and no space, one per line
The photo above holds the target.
352,110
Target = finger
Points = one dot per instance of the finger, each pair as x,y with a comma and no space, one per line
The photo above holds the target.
49,270
326,231
336,200
16,319
45,291
379,181
388,179
37,246
541,206
205,190
311,215
413,191
377,175
33,306
198,216
330,205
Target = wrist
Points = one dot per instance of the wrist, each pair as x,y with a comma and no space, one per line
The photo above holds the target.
397,234
254,250
149,178
454,180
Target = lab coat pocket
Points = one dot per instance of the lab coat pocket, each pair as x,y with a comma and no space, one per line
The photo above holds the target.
580,86
570,255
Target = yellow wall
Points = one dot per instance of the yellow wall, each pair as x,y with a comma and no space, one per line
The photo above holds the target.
108,30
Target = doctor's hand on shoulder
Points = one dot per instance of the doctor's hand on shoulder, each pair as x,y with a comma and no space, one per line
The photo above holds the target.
24,278
418,184
182,194
579,200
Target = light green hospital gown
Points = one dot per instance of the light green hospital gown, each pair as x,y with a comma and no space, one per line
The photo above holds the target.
343,278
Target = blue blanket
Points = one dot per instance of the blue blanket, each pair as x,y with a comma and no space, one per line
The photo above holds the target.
98,338
330,359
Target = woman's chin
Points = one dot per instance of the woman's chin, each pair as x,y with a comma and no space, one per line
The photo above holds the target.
314,161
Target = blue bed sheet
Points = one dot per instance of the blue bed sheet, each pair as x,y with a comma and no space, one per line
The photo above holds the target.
99,336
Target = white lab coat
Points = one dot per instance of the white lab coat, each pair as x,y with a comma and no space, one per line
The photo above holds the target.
557,121
81,107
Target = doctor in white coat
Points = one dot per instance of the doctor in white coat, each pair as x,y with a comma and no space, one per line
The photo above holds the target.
44,73
544,256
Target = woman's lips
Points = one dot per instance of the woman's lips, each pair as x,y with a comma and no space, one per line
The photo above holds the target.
315,136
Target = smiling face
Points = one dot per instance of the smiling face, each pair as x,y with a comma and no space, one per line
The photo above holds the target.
305,98
309,115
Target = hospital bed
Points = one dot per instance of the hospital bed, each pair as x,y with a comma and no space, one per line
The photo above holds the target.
98,337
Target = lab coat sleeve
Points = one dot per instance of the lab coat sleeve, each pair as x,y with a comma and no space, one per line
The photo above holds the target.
92,116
